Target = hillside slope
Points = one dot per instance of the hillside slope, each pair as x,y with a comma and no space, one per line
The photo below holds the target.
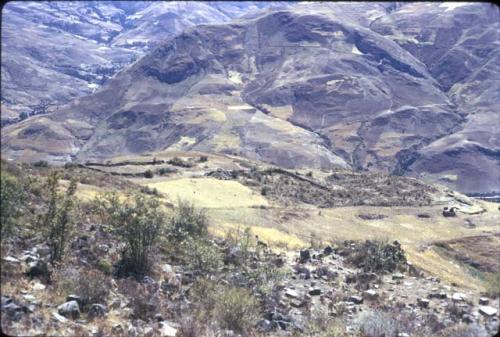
53,52
316,85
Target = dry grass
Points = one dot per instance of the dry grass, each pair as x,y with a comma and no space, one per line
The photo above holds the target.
209,192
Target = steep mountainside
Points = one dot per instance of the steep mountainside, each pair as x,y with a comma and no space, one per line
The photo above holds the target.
316,85
55,51
459,44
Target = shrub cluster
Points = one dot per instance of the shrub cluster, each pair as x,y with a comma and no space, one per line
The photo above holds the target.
138,223
376,256
57,222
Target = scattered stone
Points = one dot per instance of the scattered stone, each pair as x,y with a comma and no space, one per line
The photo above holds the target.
166,268
326,273
38,286
314,291
74,297
159,317
423,303
305,255
11,259
38,269
370,295
487,311
264,325
69,309
439,295
458,297
14,311
97,310
484,301
328,250
468,319
291,293
356,299
397,276
59,318
297,303
30,298
166,330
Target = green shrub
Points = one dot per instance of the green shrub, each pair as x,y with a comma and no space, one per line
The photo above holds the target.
201,255
12,203
188,222
148,174
464,330
232,308
138,223
176,161
492,285
57,222
377,256
105,266
92,286
235,309
41,163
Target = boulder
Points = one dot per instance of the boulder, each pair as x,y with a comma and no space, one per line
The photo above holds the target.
458,297
397,276
69,309
264,325
356,299
423,302
305,255
488,311
484,301
74,297
370,295
315,291
14,311
97,310
38,269
166,330
291,293
328,250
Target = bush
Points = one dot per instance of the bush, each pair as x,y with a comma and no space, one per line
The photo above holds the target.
201,255
492,285
12,202
138,223
203,159
176,161
57,222
235,309
378,324
41,163
376,256
324,326
188,222
144,300
92,286
148,174
463,330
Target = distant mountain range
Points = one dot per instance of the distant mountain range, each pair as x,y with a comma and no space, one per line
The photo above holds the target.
54,51
401,88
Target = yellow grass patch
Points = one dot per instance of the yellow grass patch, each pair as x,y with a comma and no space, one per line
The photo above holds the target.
271,236
210,192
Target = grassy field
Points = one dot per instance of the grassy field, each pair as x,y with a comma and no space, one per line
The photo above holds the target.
233,206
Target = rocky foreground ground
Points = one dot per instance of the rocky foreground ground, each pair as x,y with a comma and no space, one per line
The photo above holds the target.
296,291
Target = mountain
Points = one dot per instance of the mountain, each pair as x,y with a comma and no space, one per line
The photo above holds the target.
407,89
55,51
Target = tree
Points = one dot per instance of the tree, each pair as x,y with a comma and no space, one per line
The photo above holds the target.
57,221
138,223
12,202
